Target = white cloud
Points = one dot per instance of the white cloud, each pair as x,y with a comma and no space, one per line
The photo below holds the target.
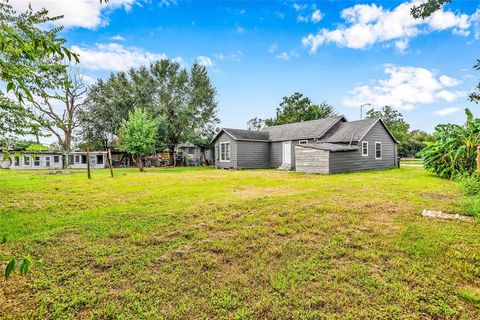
273,48
299,7
369,24
317,15
287,55
404,88
446,111
117,38
240,30
78,13
302,18
236,56
114,57
205,61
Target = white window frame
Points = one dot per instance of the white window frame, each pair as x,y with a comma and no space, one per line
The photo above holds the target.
302,142
222,158
36,161
363,153
16,161
381,150
26,160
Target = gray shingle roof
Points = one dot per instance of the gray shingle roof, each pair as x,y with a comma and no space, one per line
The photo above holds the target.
345,131
301,130
239,134
334,147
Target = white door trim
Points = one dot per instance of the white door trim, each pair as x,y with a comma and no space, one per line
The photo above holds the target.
287,152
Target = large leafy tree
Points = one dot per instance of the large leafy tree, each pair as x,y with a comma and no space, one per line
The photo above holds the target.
453,151
184,98
138,135
394,121
415,142
297,108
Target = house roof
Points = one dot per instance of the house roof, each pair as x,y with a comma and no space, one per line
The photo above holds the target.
302,130
353,131
240,134
334,147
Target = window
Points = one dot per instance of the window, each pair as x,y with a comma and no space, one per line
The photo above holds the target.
191,150
99,159
84,159
26,160
17,161
36,161
303,142
56,159
378,150
225,151
47,161
365,148
70,159
77,159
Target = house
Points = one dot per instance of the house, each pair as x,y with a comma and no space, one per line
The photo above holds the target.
330,145
25,160
191,155
78,160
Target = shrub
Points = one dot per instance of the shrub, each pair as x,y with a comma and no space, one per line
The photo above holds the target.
470,186
470,206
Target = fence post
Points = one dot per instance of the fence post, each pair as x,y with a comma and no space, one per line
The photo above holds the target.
110,162
478,158
88,163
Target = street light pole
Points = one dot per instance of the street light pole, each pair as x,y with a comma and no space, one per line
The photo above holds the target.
361,109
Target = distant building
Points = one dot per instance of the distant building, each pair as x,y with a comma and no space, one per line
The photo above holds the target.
27,160
78,160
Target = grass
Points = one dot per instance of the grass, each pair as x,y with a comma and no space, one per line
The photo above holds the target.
411,161
260,244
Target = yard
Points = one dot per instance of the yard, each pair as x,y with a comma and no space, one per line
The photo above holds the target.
203,243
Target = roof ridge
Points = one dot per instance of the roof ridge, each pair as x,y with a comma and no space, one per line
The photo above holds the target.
302,122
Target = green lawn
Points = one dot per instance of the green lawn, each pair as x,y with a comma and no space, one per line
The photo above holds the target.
259,244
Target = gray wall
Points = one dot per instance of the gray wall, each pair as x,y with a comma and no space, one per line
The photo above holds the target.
311,160
253,154
223,137
276,150
43,162
349,161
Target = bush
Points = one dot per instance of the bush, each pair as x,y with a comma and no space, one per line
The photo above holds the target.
470,206
470,186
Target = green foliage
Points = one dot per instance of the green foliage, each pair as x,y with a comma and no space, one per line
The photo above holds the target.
183,98
475,96
394,121
470,185
10,268
415,142
23,266
36,147
454,151
427,8
255,124
298,108
138,134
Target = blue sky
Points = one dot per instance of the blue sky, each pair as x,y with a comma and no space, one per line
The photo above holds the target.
343,52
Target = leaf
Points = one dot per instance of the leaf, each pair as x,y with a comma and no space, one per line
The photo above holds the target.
10,268
10,86
24,265
3,239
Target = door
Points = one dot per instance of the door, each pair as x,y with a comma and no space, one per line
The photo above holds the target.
287,152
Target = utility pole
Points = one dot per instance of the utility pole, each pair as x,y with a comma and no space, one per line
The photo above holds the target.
361,109
110,161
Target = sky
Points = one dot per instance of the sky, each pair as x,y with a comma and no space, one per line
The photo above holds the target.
346,53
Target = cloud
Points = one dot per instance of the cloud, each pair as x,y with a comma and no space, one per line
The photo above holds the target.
240,30
287,55
117,38
114,57
446,111
273,48
317,15
78,13
404,88
368,24
299,7
205,61
236,56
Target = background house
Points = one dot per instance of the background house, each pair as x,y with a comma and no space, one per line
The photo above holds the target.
24,160
330,145
78,160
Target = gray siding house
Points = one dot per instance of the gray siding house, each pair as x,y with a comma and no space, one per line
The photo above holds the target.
331,145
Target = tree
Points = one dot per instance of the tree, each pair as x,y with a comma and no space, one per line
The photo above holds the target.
454,149
62,122
415,142
394,121
427,8
255,124
298,108
183,98
31,57
138,135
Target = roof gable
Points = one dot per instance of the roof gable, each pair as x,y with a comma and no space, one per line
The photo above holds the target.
240,134
313,129
354,131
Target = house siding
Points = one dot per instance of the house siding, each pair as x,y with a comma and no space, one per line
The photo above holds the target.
350,161
223,137
253,154
43,162
276,152
310,160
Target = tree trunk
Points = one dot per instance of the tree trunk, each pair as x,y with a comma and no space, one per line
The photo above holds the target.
171,153
140,164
